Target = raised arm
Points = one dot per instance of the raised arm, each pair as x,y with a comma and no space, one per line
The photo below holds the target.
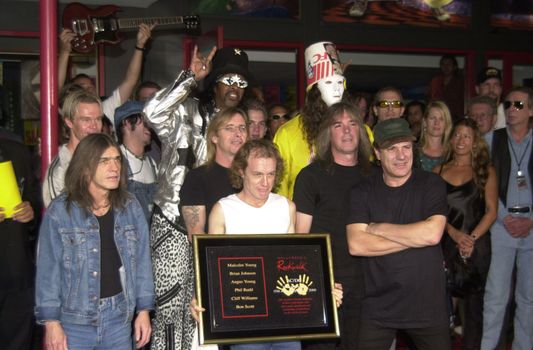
65,48
217,222
159,110
133,71
415,235
363,243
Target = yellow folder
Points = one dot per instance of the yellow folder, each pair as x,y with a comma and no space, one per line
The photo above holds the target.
9,190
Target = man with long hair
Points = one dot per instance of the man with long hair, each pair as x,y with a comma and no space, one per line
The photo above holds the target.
94,274
325,86
321,196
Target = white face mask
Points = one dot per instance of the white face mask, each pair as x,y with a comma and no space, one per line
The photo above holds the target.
331,89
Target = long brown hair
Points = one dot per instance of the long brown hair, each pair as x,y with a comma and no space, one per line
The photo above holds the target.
312,113
82,168
323,141
480,153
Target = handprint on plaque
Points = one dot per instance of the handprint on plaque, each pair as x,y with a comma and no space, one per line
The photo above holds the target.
303,286
286,287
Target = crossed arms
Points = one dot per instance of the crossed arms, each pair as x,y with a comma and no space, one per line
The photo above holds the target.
381,239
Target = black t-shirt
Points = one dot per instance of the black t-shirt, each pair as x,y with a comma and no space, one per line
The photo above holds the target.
110,262
205,185
404,289
322,191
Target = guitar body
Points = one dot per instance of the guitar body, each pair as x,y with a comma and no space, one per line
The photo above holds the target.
101,26
91,26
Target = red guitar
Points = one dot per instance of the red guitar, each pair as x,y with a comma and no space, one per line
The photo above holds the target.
101,26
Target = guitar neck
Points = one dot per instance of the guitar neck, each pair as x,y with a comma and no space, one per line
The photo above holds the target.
125,23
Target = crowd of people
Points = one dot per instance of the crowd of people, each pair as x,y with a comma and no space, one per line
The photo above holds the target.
429,208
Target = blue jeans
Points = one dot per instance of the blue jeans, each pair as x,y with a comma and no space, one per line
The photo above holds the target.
498,289
288,345
113,331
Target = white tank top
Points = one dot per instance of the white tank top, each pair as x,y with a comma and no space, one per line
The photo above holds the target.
240,217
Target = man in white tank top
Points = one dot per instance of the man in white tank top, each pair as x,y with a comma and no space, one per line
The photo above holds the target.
256,170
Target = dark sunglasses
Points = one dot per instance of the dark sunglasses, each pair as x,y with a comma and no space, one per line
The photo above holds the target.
285,116
516,104
393,104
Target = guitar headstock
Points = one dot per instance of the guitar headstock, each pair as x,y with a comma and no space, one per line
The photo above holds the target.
191,22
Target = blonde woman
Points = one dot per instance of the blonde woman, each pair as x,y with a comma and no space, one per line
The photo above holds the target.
436,130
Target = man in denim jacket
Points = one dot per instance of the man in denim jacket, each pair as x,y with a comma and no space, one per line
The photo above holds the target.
93,259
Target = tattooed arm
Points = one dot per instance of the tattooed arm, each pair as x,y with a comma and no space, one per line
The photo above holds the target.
194,217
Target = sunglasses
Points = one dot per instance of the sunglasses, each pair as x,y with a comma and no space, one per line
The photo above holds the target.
229,80
284,116
393,104
516,104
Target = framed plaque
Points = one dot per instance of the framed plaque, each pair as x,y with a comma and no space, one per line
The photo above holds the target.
267,287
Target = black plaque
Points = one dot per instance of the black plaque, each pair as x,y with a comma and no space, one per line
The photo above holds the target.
264,287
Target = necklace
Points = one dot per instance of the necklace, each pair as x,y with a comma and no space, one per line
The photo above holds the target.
137,157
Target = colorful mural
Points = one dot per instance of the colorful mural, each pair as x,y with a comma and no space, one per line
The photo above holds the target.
425,13
514,14
289,9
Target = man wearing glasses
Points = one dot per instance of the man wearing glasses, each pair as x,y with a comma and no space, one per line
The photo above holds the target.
512,241
388,104
277,116
484,111
82,114
181,123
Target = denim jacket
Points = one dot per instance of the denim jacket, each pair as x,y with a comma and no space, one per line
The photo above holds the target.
68,263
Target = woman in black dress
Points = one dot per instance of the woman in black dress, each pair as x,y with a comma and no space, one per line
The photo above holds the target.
472,208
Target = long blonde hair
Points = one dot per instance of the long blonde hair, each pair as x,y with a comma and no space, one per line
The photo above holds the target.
440,105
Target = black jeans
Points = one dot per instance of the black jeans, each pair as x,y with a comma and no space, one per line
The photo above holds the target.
375,337
349,317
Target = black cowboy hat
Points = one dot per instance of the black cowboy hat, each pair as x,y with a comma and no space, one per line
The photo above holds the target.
229,60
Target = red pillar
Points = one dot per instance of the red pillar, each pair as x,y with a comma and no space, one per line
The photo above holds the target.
48,62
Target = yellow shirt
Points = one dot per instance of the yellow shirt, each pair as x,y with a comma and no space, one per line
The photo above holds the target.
294,150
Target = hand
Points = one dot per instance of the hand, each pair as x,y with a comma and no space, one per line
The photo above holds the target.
2,214
23,212
337,294
195,309
518,227
144,33
201,66
464,241
54,336
142,329
65,41
285,286
303,286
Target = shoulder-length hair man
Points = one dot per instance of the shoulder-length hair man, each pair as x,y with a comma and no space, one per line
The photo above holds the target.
323,142
82,168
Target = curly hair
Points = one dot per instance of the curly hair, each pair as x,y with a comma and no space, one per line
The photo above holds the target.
261,148
313,111
480,153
